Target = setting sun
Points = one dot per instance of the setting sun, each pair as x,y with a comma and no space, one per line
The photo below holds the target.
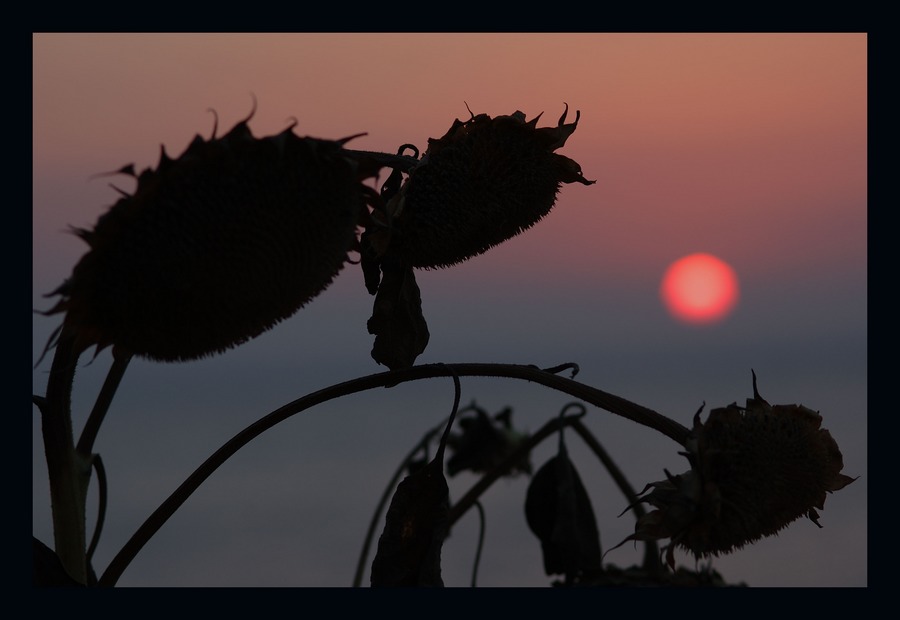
699,288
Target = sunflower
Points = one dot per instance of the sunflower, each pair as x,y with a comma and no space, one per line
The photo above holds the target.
483,182
754,470
214,247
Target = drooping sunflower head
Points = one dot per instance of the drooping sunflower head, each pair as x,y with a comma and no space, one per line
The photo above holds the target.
485,181
215,246
754,470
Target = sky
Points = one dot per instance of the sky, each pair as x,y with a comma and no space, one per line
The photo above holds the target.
748,147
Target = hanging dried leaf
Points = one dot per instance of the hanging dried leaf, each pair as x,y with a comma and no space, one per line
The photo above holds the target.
558,511
416,524
400,330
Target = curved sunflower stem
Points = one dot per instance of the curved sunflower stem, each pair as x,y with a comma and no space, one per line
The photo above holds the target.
97,463
404,163
599,398
482,523
652,563
101,406
69,465
68,471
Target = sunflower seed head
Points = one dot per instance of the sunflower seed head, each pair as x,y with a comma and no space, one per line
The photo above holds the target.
485,181
216,246
754,470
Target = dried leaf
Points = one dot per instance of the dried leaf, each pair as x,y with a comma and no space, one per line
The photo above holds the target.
558,511
416,524
400,330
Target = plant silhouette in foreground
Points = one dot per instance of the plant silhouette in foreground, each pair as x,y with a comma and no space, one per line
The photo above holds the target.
754,470
238,233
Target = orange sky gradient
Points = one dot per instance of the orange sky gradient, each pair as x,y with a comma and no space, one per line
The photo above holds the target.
694,140
749,147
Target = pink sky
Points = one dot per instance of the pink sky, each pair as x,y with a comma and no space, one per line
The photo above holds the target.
750,147
695,140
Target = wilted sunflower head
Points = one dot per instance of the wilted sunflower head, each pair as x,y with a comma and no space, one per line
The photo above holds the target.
485,181
216,246
754,470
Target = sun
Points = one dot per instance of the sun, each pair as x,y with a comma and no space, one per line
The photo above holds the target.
699,289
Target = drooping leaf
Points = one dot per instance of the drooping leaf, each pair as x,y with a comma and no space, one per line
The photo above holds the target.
401,333
416,524
558,511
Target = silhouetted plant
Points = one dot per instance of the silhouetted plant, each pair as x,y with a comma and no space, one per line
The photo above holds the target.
559,512
236,234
